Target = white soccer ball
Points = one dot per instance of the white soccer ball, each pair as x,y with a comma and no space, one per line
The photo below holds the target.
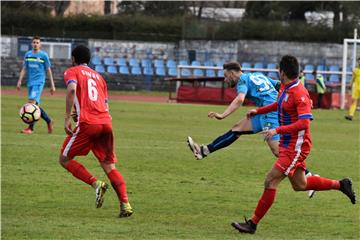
30,113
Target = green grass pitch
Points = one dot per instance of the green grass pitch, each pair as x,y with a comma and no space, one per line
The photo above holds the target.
174,196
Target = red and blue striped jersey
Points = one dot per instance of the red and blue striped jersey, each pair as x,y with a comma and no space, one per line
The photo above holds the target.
293,104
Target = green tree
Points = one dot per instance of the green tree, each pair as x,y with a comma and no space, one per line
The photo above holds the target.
286,10
154,8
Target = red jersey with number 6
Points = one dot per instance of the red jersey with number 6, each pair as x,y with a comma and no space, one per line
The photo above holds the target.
91,95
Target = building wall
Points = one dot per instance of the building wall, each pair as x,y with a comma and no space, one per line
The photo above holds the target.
93,7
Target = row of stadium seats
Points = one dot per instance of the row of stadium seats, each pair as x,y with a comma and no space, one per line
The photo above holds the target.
170,63
160,67
158,71
133,62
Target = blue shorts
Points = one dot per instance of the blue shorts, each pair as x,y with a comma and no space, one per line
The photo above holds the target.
34,92
265,121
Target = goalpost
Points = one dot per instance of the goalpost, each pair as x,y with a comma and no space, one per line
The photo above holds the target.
346,43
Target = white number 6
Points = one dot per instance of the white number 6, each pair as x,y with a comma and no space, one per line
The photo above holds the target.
92,91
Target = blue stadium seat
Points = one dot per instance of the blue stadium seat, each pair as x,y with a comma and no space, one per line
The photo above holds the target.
136,70
209,63
246,65
198,73
220,63
172,72
220,73
160,71
183,62
271,66
134,62
112,69
348,76
320,68
171,63
309,76
273,75
109,61
100,68
124,70
309,67
195,63
145,62
334,68
258,65
334,78
121,61
148,71
159,63
95,60
185,72
210,73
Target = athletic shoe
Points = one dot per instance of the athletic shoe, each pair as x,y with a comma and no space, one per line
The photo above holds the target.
195,148
50,126
125,210
346,188
27,131
247,227
100,190
349,118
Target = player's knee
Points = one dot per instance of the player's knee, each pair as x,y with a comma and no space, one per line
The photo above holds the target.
299,186
63,160
269,183
107,167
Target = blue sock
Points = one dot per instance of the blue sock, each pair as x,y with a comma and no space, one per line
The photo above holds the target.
45,116
31,126
223,141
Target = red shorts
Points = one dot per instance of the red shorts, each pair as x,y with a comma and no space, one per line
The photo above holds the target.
288,161
95,137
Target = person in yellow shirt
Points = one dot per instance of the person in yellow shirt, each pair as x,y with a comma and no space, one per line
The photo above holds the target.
302,77
355,82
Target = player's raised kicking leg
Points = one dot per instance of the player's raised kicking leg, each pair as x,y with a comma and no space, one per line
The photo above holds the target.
243,127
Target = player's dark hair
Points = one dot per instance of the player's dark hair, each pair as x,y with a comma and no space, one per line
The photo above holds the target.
81,54
36,38
232,66
290,66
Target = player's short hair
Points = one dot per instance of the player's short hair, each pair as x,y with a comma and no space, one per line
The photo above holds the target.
232,66
81,54
290,66
36,38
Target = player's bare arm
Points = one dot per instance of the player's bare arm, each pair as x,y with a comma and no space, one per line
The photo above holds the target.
70,97
235,104
21,77
52,84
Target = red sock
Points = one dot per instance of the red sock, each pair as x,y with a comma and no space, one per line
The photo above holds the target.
264,204
320,184
118,183
80,172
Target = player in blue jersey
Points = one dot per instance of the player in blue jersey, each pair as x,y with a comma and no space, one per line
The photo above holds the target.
36,65
258,88
262,91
